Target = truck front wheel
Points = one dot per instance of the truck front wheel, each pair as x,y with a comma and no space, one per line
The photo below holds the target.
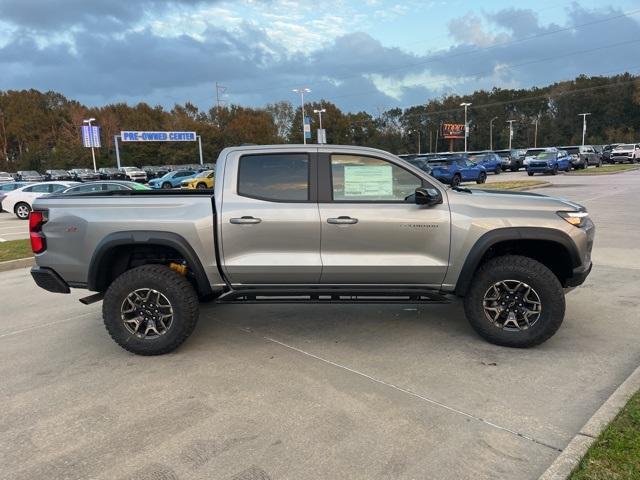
515,301
150,310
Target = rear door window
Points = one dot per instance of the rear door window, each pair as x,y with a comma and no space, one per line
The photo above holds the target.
274,177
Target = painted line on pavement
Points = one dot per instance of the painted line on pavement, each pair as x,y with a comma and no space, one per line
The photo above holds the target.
35,327
408,392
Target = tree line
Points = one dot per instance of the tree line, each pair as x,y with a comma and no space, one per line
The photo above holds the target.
41,130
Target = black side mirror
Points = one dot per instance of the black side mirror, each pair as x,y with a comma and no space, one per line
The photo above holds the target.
428,196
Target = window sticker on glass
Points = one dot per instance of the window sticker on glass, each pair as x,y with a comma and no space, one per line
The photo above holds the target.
368,181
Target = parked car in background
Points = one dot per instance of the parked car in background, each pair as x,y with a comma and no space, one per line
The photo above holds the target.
154,171
606,152
20,200
511,159
105,186
489,160
84,175
53,175
6,177
626,152
599,152
582,156
550,162
172,179
418,161
455,169
532,153
111,173
29,176
5,188
201,181
134,174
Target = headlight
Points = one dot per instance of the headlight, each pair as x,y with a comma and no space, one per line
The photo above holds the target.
577,219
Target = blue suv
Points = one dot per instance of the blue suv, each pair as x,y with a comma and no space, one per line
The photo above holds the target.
172,179
492,162
549,162
455,169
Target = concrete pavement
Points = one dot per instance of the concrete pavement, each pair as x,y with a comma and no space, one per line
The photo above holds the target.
11,228
316,392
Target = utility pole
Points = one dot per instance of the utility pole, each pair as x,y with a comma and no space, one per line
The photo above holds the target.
430,141
302,91
466,124
584,125
491,132
535,135
219,103
510,122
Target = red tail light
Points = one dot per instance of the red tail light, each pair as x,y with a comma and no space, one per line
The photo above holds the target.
37,218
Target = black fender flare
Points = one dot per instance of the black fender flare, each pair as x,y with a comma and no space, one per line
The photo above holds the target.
166,239
493,237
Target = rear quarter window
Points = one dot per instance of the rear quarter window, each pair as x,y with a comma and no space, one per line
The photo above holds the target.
274,177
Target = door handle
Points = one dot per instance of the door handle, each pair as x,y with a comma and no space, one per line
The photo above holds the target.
342,221
248,220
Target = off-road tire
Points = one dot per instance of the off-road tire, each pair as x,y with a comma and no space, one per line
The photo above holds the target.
531,272
173,286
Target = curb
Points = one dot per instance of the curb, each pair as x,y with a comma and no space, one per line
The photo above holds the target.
568,460
603,173
15,264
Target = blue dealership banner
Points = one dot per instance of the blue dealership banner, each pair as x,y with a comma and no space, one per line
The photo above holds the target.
91,136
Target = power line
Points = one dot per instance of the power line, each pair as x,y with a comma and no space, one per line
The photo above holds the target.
548,95
442,55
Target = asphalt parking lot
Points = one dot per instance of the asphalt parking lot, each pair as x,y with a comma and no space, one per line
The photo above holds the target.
318,392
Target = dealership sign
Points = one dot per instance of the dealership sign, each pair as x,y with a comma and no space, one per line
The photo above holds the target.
452,130
135,136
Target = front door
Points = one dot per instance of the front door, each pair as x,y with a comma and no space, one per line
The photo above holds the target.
372,230
270,226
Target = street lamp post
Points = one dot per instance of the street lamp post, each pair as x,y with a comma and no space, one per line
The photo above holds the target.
584,125
510,122
466,124
491,132
93,153
302,91
320,112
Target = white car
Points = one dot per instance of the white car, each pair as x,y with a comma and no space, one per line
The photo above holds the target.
20,201
134,174
5,177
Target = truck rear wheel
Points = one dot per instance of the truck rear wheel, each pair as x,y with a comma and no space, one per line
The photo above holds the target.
150,310
515,301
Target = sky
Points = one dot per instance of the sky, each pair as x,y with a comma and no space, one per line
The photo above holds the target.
363,55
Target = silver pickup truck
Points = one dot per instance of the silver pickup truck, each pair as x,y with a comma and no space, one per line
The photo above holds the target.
313,224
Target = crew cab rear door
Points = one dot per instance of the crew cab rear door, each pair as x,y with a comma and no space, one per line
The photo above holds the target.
270,223
372,230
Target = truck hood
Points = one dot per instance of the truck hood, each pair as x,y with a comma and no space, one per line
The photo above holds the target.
507,200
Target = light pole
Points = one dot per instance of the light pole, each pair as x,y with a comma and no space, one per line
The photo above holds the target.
584,125
320,112
510,122
466,125
491,132
302,91
93,153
